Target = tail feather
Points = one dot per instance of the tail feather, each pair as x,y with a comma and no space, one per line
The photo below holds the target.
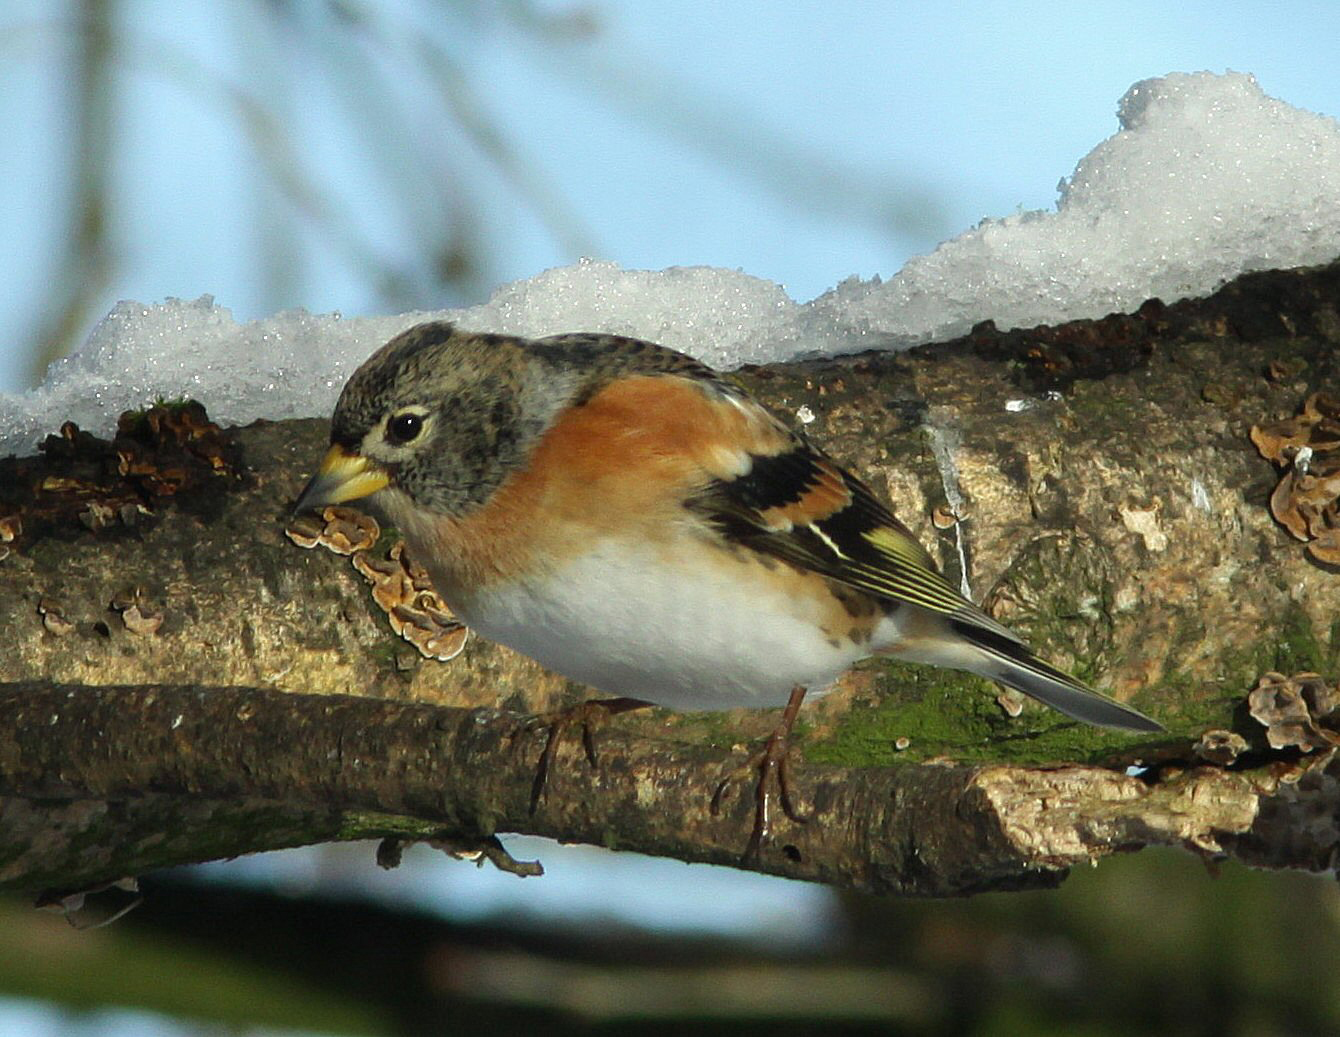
1013,664
1053,688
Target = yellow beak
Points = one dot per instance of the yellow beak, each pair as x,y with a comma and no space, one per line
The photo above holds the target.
342,477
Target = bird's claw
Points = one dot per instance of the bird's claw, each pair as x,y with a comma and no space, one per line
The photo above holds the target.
772,763
590,715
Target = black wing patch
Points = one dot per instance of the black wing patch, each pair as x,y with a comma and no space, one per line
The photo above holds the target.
803,508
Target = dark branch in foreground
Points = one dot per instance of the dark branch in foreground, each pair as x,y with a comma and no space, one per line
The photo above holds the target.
235,753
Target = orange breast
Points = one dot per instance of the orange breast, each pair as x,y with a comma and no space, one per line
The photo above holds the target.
622,465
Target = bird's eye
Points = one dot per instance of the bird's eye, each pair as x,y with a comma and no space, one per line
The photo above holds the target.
404,428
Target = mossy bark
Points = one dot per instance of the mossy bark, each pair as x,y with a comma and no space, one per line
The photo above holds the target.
1110,506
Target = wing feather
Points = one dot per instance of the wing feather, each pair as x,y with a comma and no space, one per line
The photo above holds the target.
802,507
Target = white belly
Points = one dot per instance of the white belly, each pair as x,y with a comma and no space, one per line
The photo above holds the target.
694,634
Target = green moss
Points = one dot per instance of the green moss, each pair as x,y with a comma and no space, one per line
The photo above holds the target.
173,402
132,421
1188,705
719,729
1296,647
953,714
930,707
385,652
1193,704
370,825
1096,407
1059,590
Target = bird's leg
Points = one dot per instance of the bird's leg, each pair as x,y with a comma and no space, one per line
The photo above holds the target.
590,715
771,761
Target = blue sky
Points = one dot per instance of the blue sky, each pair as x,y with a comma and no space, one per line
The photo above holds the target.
782,139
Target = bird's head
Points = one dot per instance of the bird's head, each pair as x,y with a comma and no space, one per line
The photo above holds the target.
433,422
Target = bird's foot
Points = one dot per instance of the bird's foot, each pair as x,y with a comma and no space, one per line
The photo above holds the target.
771,764
590,715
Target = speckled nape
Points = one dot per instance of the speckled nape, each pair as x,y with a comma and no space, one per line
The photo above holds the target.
603,358
365,396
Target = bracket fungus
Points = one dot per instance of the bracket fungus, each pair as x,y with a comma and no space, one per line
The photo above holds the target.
10,528
1220,747
53,617
81,481
1292,708
1012,702
135,614
400,587
1307,500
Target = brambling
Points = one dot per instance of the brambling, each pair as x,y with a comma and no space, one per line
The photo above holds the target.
625,516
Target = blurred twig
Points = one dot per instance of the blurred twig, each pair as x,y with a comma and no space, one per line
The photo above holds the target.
86,263
409,116
798,174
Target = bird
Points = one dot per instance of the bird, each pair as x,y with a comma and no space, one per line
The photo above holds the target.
633,520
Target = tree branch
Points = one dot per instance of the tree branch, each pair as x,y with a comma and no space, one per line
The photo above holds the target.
177,675
925,830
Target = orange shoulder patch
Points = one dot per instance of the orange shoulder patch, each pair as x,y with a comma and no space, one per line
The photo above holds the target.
622,464
825,495
675,418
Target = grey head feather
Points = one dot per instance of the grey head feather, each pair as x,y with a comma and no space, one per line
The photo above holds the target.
485,398
489,398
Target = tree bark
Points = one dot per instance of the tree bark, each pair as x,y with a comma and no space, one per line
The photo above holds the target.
178,681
